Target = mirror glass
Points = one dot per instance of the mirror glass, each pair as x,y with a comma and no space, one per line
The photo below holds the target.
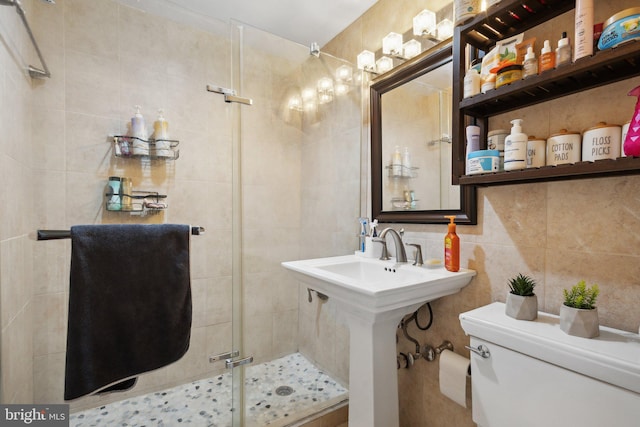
416,144
411,144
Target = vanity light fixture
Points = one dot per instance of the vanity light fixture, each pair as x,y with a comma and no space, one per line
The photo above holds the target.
424,24
325,90
342,88
392,44
344,77
308,99
366,61
384,64
444,29
344,73
295,103
411,48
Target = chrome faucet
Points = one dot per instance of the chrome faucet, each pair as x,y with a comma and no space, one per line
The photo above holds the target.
401,254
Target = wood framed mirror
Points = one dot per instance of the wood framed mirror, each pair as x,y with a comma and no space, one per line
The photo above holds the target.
411,110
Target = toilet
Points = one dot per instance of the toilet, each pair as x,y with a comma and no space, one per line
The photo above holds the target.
532,374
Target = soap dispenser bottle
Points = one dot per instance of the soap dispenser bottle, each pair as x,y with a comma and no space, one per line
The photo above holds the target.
396,163
139,132
452,247
161,135
406,163
515,147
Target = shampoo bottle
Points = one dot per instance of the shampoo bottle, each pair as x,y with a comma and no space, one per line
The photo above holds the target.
138,128
139,131
406,163
452,247
515,147
161,136
396,162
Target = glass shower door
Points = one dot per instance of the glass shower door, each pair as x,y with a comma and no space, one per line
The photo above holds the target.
299,139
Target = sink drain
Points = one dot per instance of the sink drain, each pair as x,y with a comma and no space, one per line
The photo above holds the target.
284,390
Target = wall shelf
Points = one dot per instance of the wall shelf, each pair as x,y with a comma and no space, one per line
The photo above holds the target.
133,147
143,203
619,166
507,18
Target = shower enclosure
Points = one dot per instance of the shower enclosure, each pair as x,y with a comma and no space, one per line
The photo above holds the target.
273,181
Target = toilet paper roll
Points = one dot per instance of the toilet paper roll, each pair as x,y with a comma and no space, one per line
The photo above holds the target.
454,370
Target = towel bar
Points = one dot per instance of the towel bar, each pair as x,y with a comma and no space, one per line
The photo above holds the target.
66,234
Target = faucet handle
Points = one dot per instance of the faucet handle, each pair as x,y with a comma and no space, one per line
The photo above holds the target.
418,258
384,256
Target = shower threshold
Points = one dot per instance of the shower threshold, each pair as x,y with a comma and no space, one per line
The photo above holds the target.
207,402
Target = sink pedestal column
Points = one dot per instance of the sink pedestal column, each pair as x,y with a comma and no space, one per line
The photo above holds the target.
373,374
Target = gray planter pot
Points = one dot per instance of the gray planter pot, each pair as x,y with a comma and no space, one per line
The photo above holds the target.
579,322
522,308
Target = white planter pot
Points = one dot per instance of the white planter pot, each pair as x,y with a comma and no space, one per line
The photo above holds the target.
522,308
579,322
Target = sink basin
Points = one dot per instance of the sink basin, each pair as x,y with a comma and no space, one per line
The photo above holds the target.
367,285
373,296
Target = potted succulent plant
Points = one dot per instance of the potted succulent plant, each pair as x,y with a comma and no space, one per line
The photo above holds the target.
522,303
579,314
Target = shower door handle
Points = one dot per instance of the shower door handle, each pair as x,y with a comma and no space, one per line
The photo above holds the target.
230,363
228,355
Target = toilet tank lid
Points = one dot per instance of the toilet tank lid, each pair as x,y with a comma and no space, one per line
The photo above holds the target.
613,357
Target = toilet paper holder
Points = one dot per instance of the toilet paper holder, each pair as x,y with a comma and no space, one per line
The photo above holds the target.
446,345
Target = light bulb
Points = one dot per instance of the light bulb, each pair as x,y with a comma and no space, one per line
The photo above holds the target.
424,23
392,44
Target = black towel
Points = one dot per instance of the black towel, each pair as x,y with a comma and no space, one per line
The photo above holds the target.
129,304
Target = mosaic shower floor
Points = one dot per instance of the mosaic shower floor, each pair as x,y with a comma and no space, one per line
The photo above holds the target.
208,402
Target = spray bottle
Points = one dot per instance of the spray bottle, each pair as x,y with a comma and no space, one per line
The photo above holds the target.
452,247
631,143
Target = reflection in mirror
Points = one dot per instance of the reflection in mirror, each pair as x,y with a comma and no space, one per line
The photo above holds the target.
411,146
416,124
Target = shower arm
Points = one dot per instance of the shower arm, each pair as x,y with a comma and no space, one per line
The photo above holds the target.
33,71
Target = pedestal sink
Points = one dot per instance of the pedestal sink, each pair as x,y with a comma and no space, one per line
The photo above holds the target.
373,296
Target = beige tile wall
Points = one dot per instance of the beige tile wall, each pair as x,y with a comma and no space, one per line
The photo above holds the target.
104,58
16,212
558,232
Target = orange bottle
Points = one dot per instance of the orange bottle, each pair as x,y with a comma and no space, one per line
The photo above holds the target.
452,247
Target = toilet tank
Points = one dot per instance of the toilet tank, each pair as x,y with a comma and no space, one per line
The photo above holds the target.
535,375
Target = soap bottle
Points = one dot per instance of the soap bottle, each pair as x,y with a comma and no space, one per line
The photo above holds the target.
530,65
515,147
547,58
563,52
452,247
396,163
406,163
138,128
161,135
